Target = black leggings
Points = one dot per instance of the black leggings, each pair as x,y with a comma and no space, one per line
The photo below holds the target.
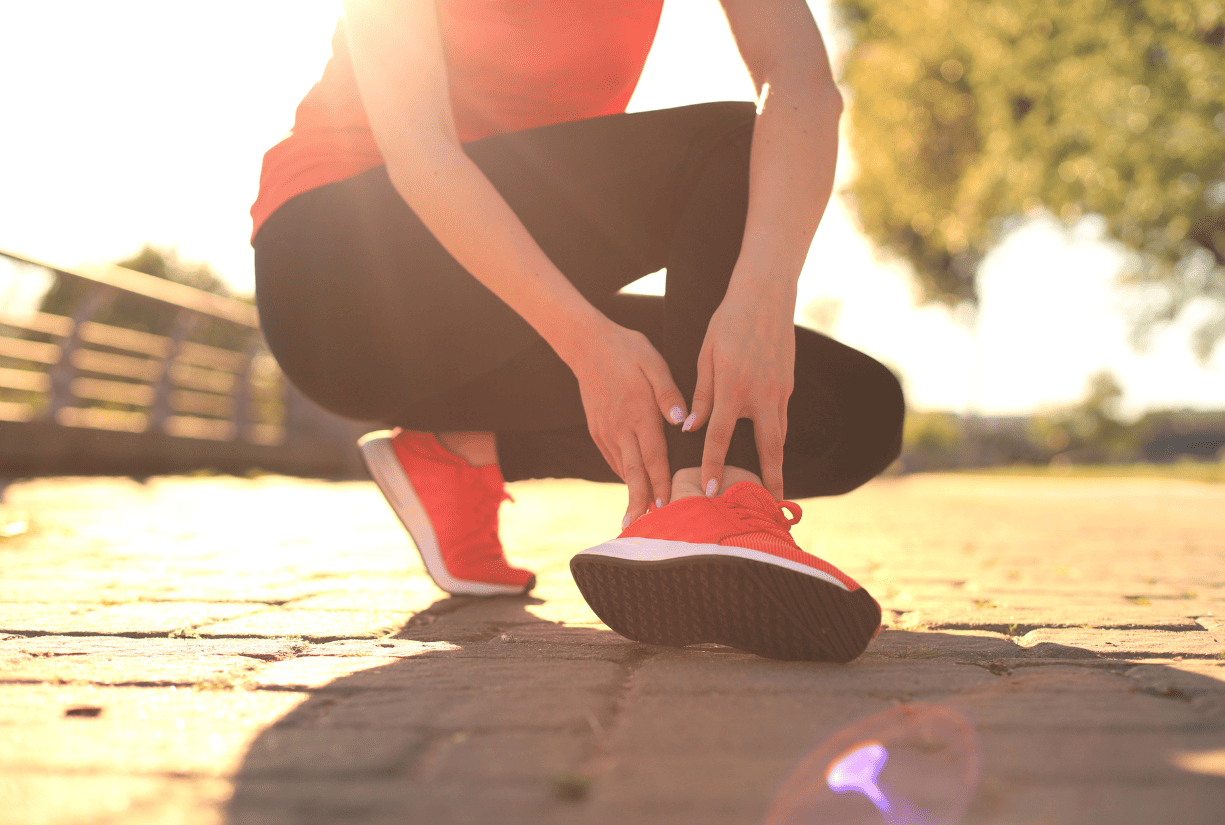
369,316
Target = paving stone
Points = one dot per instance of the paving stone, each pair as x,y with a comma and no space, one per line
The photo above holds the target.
549,633
310,624
121,669
314,672
1187,802
1192,676
932,644
621,805
1057,677
28,798
462,694
195,801
149,586
383,700
1085,710
505,756
729,786
784,723
267,649
1128,643
152,618
135,730
408,600
379,801
998,615
396,648
352,752
745,675
1092,756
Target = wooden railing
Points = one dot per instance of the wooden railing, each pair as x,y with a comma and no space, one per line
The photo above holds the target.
78,395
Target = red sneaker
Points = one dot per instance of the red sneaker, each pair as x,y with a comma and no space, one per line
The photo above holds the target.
450,509
726,570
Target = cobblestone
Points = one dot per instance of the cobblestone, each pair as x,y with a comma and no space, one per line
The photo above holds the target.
291,663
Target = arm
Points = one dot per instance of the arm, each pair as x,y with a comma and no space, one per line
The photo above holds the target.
746,368
397,53
795,139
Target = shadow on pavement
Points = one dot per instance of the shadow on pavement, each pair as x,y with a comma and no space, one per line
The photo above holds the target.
478,711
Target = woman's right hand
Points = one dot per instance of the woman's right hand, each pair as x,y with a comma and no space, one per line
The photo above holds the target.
626,387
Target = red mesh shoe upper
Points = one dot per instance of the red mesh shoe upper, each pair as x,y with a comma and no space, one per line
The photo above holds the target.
462,502
746,515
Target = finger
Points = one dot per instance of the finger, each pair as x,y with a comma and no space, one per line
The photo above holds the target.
655,458
703,393
669,399
635,479
714,452
769,439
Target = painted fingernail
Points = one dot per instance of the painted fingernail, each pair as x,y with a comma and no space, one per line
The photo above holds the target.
676,414
625,522
659,502
689,423
711,486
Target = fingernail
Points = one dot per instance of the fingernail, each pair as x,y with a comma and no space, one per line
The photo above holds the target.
677,415
711,486
689,423
659,502
625,522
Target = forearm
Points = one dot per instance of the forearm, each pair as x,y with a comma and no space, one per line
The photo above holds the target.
791,177
469,217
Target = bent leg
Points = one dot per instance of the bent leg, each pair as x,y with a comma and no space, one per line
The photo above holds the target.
844,420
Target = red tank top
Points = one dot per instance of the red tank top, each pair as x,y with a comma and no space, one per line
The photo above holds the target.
511,65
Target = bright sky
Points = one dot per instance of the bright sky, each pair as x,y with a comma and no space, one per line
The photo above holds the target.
145,121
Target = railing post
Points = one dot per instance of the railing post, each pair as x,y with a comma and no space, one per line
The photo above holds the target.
242,394
62,373
184,322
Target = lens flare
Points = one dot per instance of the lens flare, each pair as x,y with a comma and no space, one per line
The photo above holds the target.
915,764
856,772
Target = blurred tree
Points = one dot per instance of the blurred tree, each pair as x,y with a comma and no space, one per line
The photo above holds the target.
969,113
64,295
1089,432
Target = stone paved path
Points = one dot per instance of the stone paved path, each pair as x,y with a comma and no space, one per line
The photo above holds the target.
218,650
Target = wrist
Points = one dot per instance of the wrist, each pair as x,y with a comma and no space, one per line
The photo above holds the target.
764,287
579,334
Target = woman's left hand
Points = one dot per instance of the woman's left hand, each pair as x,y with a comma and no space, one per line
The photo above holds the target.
746,369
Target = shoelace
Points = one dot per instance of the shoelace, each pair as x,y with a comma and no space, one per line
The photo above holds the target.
483,507
776,519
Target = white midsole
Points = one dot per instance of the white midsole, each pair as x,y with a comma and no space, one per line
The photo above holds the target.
654,550
389,475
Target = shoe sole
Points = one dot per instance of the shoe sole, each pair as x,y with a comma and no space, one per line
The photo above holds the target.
706,593
384,466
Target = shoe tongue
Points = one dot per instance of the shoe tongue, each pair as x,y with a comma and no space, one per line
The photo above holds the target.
748,494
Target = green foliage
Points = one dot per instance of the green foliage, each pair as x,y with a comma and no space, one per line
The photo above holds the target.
936,432
1090,432
969,113
150,317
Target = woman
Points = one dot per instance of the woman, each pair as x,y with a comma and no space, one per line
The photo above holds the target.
440,243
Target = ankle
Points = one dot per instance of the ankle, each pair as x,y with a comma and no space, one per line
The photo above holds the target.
477,448
687,483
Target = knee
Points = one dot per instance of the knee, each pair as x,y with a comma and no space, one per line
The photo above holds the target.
872,434
892,415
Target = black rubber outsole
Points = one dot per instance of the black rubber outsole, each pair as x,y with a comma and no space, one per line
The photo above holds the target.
749,605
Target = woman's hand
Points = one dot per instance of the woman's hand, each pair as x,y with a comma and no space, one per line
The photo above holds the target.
746,369
626,387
